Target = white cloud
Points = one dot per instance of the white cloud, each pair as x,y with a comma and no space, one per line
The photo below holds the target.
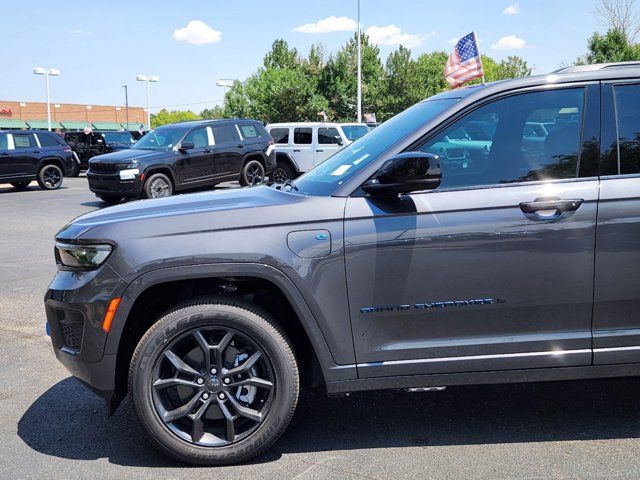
512,9
453,41
510,42
197,33
328,25
392,35
78,31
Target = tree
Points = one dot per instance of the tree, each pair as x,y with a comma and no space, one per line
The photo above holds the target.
620,15
281,56
212,113
164,117
614,46
512,67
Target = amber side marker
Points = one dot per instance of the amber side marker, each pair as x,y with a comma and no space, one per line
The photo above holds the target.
111,312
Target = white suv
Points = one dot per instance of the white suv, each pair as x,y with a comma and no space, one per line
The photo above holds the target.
300,146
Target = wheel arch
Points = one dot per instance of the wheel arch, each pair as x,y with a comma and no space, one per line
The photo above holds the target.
284,157
165,169
51,160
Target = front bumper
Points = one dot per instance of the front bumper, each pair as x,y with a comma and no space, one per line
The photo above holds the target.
107,184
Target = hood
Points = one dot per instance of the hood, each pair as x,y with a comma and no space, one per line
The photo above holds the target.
127,155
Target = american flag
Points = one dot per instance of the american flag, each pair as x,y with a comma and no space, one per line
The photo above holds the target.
464,62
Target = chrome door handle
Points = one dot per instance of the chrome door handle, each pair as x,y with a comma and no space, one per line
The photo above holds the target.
552,203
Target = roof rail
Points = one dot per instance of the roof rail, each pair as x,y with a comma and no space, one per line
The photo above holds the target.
597,66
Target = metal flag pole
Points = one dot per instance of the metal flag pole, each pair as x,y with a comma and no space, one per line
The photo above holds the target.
359,70
475,38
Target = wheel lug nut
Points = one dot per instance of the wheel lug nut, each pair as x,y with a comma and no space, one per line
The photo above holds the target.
221,396
200,381
205,396
226,380
213,371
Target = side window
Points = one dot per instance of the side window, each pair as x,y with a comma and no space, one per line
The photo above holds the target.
224,134
47,140
23,140
249,131
198,137
302,136
4,144
328,136
501,143
627,99
280,135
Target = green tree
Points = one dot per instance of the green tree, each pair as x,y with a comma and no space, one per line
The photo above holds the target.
212,113
165,117
613,46
281,56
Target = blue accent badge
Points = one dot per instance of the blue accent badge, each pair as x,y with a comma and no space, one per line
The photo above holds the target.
322,236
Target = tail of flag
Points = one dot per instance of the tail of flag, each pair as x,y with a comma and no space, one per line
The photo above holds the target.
464,63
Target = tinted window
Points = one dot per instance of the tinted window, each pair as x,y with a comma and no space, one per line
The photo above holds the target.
328,136
224,134
23,141
354,132
497,144
627,98
302,136
118,137
4,145
47,140
198,137
249,131
280,135
163,138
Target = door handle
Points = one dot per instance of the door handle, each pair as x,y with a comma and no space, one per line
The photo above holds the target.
240,145
552,203
36,151
206,150
319,150
296,151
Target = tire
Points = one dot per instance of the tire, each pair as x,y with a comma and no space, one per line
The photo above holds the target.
214,318
75,171
50,177
158,185
282,173
20,185
252,173
109,198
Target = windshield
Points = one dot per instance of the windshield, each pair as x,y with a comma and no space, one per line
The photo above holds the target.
163,138
354,132
328,176
118,137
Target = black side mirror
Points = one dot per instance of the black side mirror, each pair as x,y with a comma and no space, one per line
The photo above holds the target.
339,140
404,173
187,146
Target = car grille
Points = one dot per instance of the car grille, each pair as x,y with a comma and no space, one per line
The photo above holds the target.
72,331
105,168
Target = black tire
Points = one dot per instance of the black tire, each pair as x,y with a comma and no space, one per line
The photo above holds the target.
158,185
50,177
109,198
282,173
75,170
20,185
211,316
252,173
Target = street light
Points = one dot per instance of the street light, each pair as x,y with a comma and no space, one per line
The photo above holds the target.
148,79
225,83
51,72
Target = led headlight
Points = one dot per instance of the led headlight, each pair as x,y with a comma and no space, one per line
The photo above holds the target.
82,256
129,173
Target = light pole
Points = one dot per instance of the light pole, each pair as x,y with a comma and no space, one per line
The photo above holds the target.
226,83
126,104
359,70
148,79
51,72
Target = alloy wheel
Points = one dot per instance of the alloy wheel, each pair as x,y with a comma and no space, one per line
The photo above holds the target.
159,188
254,174
279,175
51,177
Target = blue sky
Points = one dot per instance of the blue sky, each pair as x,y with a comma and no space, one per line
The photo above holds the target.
102,45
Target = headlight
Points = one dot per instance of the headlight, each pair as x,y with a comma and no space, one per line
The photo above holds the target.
82,256
129,174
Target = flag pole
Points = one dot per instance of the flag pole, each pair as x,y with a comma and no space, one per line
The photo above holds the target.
475,37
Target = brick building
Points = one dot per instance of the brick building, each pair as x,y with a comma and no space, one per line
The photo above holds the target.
69,116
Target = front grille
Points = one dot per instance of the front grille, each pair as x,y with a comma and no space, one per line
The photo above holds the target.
105,168
72,331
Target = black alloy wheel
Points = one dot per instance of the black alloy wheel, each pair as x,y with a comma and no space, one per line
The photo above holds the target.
282,173
50,177
252,174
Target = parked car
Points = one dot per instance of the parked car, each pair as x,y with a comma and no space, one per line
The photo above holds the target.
39,155
183,156
97,142
300,146
384,267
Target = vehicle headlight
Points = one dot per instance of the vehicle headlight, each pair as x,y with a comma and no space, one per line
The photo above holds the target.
82,256
130,171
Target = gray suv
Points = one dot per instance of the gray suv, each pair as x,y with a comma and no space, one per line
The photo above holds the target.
413,258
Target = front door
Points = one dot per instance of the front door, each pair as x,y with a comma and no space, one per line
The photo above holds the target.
494,269
329,141
195,164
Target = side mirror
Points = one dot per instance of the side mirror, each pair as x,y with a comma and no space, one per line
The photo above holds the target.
187,146
339,140
404,173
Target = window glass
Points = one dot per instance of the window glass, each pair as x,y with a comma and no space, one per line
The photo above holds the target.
627,98
4,144
23,141
280,135
354,132
198,137
47,140
302,136
506,141
329,136
124,138
163,138
224,134
249,131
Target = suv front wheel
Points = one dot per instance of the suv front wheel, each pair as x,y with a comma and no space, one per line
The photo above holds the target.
158,185
214,381
252,173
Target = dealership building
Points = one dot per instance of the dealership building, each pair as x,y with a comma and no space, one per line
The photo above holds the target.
70,116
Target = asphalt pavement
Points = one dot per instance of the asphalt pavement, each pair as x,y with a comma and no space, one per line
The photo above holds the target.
52,427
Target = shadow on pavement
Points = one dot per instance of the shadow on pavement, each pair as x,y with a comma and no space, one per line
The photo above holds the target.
69,422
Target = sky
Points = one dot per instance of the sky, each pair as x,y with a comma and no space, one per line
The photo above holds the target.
100,46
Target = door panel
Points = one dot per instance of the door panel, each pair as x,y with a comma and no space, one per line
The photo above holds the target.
24,159
195,165
303,148
328,143
227,152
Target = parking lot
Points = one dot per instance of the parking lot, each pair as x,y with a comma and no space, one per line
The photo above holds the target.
52,426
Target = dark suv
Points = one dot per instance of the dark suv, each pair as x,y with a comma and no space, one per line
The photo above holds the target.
413,258
34,155
185,156
97,142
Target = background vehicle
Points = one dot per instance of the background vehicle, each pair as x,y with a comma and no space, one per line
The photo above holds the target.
34,155
300,146
87,146
387,266
185,156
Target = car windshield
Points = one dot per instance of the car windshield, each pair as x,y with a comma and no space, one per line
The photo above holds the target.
118,137
354,132
328,176
163,138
